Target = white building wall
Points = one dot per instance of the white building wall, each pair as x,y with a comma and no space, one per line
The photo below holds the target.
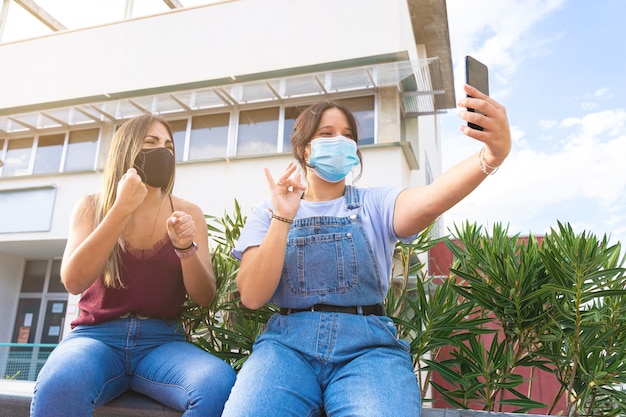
195,47
200,44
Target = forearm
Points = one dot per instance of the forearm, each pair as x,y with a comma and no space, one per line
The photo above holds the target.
198,278
83,261
454,185
261,266
418,207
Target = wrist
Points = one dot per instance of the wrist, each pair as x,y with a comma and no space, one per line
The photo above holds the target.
186,252
487,165
280,218
184,248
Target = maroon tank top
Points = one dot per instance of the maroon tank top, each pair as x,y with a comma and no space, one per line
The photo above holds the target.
153,287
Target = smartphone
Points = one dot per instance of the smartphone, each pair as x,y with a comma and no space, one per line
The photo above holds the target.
476,75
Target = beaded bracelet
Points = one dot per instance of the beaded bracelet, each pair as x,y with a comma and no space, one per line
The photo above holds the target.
282,219
484,165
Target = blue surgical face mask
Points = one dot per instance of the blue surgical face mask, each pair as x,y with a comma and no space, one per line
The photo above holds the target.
333,158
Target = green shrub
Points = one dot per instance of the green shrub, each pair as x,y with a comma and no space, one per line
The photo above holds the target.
555,304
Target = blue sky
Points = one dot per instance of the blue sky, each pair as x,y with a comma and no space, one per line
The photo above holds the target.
558,66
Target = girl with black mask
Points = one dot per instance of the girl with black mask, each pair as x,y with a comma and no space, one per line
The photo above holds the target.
134,251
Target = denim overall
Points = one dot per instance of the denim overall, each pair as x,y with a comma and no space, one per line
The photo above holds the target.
329,261
327,363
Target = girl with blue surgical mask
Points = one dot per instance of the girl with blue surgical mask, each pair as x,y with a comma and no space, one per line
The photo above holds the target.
322,250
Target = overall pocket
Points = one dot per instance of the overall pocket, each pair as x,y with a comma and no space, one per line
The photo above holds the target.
321,264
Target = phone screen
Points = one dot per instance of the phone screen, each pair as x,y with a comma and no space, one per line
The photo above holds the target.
476,75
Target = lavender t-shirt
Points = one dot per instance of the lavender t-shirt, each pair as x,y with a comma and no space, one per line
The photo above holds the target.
376,211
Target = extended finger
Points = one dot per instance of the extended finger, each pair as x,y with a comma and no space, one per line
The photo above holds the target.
286,177
269,178
475,93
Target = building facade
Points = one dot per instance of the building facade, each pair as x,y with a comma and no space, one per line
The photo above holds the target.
230,77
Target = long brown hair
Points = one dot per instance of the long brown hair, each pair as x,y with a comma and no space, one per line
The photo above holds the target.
125,146
308,122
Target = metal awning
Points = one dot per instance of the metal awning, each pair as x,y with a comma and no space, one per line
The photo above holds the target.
417,81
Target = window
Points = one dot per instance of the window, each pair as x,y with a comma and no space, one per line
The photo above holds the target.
209,136
52,153
363,110
34,276
258,131
179,131
48,154
26,210
291,114
40,317
81,150
17,158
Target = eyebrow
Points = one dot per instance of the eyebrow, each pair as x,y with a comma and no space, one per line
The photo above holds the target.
331,127
148,135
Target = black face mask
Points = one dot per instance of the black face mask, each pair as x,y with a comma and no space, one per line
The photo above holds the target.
155,166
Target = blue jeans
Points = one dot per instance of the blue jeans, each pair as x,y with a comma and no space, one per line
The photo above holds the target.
311,362
95,364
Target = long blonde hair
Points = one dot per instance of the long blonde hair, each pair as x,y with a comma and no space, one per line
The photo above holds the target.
125,146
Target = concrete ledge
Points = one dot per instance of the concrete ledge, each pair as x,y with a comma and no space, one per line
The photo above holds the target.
15,399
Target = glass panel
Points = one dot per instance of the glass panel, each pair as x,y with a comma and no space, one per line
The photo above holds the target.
53,321
26,320
351,79
258,131
204,99
48,154
81,150
34,276
27,210
305,85
55,284
17,158
179,130
209,136
363,110
256,91
291,114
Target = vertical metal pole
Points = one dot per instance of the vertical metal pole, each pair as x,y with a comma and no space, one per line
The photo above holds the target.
128,13
4,13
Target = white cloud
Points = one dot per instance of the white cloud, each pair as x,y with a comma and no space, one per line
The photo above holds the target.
534,189
548,124
581,178
603,93
569,122
494,32
587,105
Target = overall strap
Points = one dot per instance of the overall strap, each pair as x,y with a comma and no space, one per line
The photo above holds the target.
351,196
